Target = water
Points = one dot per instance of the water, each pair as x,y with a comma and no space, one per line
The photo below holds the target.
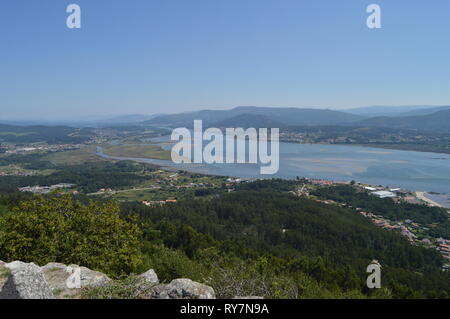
418,171
441,199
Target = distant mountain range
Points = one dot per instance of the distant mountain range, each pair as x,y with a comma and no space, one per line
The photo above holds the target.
85,121
420,118
438,122
257,115
43,133
249,120
126,119
375,111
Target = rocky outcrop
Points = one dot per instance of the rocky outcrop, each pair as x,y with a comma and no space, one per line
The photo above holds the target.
20,280
183,289
25,281
4,272
68,281
150,277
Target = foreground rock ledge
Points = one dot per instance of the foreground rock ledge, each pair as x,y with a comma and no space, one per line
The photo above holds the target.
20,280
183,289
24,281
57,275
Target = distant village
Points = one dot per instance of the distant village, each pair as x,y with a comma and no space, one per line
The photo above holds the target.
32,148
47,189
406,228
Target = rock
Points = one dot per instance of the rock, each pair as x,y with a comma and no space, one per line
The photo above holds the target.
25,281
53,266
248,297
150,277
4,272
64,282
91,278
16,265
183,289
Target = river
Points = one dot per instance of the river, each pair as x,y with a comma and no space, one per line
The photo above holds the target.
418,171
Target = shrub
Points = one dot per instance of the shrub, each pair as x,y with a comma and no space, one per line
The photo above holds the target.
59,229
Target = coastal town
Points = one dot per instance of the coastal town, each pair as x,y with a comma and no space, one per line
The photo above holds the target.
414,232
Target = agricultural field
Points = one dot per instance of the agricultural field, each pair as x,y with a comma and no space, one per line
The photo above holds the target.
164,185
138,151
85,154
17,134
18,170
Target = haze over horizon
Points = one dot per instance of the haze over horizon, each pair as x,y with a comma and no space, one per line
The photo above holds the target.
80,118
168,57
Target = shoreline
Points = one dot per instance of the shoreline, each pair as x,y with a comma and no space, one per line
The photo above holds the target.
166,164
378,146
422,196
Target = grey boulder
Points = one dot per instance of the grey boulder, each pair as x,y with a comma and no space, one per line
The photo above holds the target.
150,277
68,281
183,289
24,281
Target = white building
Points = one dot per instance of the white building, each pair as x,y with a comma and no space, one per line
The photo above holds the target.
384,194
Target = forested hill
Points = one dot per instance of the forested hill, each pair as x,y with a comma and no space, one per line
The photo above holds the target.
438,122
47,134
283,116
436,218
287,226
334,245
258,240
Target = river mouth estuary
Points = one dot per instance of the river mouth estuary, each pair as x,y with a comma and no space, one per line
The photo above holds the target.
415,171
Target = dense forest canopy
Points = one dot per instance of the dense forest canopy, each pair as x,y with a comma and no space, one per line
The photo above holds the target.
258,240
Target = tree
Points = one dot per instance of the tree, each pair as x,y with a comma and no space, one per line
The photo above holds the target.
59,229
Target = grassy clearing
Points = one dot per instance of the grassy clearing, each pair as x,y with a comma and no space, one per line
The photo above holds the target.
138,151
4,273
132,287
18,170
16,133
163,185
74,157
152,195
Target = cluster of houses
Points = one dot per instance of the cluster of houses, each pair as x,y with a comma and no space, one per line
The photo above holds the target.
403,228
13,149
300,191
159,202
18,172
45,189
444,248
325,182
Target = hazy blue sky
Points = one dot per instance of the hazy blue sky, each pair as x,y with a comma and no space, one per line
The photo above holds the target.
153,56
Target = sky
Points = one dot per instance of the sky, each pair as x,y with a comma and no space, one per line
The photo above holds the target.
168,56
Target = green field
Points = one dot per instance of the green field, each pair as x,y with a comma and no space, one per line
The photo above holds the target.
74,157
163,185
16,133
138,151
151,195
13,169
